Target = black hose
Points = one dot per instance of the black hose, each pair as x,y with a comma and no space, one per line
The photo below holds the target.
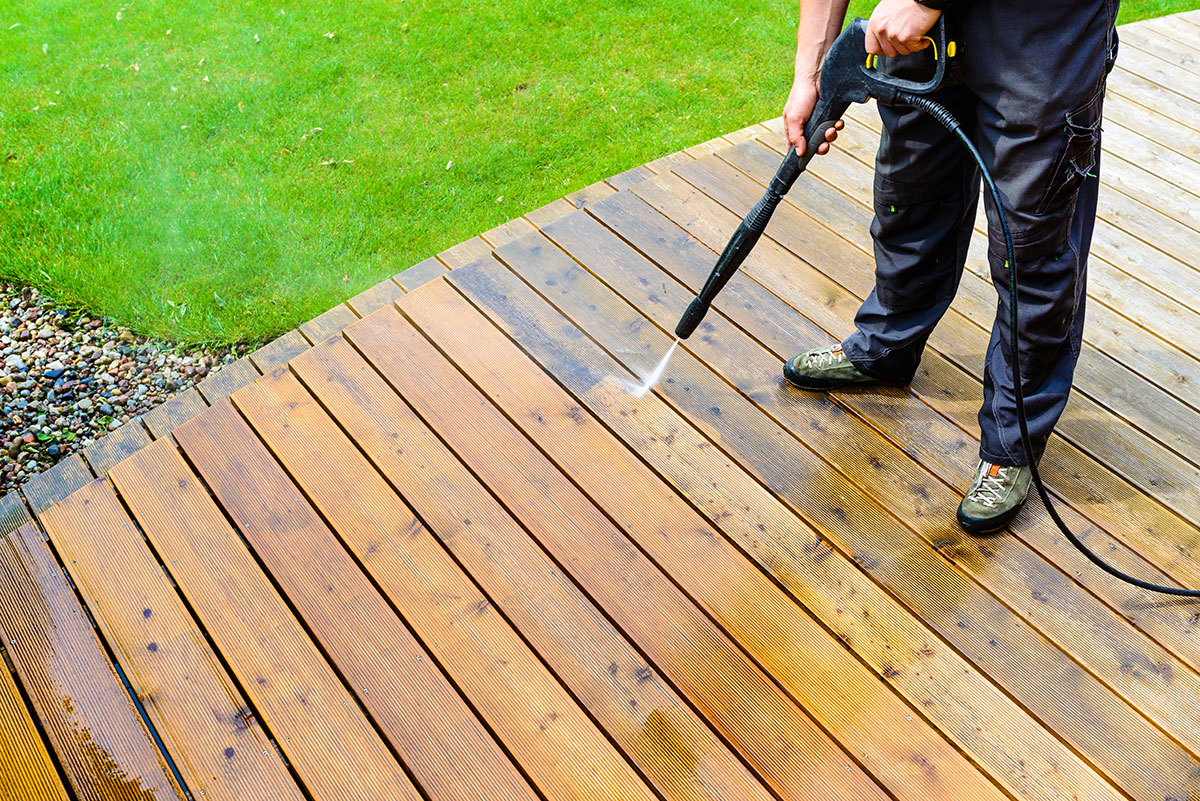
943,115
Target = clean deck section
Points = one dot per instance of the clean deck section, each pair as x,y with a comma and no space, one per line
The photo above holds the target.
429,547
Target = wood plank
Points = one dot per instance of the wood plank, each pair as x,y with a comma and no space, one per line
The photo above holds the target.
969,709
1145,90
1131,453
1086,484
506,232
51,486
214,738
588,194
548,213
684,643
115,446
639,710
275,353
317,723
1173,78
449,752
540,725
382,294
873,466
1173,28
228,378
769,625
624,180
26,770
1150,41
419,274
316,330
177,409
464,252
1155,125
1073,617
99,737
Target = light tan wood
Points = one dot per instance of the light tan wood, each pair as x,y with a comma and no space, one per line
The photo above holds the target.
215,740
644,716
316,721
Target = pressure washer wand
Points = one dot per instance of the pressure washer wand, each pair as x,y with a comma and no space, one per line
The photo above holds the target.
746,236
848,75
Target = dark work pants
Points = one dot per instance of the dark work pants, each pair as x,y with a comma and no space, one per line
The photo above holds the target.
1028,86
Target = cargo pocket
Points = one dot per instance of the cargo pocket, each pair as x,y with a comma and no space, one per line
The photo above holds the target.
1076,157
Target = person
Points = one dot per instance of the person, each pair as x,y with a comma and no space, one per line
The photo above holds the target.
1027,83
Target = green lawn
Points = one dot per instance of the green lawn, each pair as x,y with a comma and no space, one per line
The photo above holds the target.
219,171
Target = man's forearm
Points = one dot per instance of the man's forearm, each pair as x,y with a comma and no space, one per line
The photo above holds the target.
820,23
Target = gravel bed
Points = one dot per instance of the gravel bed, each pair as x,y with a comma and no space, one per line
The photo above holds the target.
66,379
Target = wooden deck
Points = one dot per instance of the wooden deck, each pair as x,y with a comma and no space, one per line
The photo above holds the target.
428,547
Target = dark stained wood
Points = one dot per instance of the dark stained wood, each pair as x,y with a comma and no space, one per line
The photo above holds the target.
275,353
589,194
448,750
212,735
115,446
320,328
48,488
645,717
539,724
178,409
623,181
315,720
382,294
228,378
100,739
419,274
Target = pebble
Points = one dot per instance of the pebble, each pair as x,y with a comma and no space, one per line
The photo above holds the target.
66,380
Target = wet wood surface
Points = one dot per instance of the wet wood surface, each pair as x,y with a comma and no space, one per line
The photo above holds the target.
438,550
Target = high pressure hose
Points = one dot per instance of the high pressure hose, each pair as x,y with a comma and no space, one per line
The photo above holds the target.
943,115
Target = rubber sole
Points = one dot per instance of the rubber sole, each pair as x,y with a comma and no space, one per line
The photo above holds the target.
987,525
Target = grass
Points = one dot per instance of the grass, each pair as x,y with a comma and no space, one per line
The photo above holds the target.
217,171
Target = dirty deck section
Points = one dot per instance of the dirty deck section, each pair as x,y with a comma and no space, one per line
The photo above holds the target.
428,547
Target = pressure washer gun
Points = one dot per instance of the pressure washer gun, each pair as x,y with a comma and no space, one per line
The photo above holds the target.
848,75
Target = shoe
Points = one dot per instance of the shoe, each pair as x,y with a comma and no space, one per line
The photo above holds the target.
995,497
823,369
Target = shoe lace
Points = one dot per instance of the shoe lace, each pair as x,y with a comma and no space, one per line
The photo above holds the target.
827,358
989,489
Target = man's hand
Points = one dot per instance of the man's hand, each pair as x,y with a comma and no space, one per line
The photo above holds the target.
796,112
896,27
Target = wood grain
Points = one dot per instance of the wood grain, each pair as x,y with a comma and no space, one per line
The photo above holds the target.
448,750
643,715
212,735
26,770
100,739
317,723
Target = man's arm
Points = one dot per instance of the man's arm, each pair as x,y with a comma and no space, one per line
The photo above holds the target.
820,23
895,28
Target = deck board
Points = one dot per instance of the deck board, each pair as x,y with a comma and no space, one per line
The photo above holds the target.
537,722
313,717
437,551
220,750
651,723
97,734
